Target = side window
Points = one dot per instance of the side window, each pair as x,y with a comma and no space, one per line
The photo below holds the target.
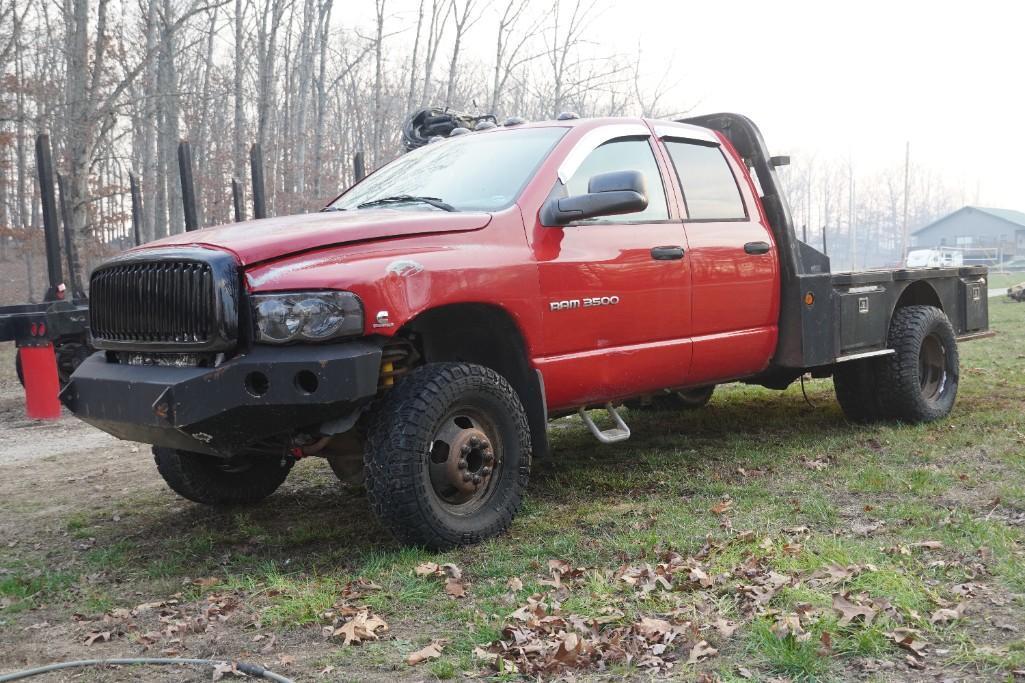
625,154
709,188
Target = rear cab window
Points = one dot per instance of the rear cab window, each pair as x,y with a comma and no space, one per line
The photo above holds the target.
710,190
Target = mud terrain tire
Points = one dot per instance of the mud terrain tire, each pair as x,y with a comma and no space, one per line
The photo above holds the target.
210,480
857,389
918,383
443,422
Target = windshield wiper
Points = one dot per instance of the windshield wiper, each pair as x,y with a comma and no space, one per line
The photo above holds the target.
408,198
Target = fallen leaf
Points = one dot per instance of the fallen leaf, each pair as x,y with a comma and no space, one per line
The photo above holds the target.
286,660
454,588
947,615
206,582
745,673
928,545
223,668
826,640
427,568
698,576
432,651
725,627
721,507
816,465
362,626
850,611
97,635
514,584
909,639
702,650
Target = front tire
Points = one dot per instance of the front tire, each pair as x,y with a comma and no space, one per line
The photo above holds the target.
448,456
211,480
919,381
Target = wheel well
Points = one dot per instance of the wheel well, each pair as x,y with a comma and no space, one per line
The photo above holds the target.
488,336
919,293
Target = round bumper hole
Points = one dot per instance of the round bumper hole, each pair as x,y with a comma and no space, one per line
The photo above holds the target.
306,381
257,384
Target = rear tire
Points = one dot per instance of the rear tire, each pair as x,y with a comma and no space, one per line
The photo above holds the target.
857,389
686,399
211,480
918,383
442,423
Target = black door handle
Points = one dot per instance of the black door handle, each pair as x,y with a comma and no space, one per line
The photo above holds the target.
757,247
667,253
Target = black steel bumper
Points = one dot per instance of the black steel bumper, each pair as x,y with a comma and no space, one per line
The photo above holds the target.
221,410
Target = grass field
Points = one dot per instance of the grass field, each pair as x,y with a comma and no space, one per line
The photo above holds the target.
781,504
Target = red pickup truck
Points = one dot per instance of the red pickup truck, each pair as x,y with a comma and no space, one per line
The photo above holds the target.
422,330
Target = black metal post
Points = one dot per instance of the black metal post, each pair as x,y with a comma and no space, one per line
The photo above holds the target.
44,167
256,170
133,183
825,247
359,169
188,186
70,252
238,201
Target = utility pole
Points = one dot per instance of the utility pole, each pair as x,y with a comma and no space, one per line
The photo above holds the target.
904,228
851,229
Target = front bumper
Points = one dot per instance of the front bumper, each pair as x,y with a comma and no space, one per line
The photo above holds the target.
268,391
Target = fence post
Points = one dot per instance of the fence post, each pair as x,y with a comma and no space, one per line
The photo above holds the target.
44,168
256,171
238,201
188,186
70,252
133,184
359,169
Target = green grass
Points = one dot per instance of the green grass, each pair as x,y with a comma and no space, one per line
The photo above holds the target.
960,481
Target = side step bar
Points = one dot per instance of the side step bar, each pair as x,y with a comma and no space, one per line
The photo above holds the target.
621,432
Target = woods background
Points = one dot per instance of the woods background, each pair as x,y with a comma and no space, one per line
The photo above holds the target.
117,84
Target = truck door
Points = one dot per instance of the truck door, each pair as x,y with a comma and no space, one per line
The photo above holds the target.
616,308
733,263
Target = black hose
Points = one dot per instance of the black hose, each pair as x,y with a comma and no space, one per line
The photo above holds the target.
250,669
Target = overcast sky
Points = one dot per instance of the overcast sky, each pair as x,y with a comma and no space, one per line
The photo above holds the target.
840,79
856,78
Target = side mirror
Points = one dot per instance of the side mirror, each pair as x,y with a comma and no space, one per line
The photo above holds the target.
608,194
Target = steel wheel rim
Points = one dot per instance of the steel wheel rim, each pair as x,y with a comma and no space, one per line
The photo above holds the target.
464,459
932,368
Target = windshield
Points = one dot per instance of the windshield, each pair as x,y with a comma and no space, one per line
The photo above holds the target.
483,172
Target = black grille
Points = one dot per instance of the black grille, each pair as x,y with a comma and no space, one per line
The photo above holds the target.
170,302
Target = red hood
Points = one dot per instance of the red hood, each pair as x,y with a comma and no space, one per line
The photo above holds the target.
269,238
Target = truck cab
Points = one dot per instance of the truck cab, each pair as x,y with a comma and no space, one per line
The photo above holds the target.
422,329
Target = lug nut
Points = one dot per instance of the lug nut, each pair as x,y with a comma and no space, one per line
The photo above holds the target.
461,465
489,456
476,479
467,476
485,471
465,450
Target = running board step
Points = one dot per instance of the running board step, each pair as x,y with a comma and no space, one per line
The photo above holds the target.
618,433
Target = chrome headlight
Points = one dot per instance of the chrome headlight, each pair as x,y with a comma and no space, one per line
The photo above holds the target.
306,316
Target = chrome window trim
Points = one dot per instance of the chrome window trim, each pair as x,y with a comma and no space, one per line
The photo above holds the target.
671,129
595,138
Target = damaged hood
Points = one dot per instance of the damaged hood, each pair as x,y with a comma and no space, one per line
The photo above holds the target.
271,238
